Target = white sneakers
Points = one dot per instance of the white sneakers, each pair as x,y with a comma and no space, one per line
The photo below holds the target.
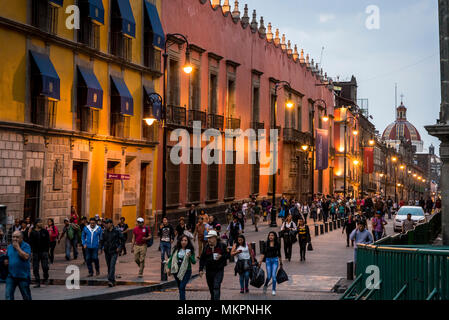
273,293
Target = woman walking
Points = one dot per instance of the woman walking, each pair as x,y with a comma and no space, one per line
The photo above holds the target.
180,264
288,230
245,256
349,225
54,233
305,211
272,257
303,238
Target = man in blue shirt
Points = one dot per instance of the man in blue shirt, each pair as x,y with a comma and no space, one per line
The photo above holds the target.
91,242
360,235
18,262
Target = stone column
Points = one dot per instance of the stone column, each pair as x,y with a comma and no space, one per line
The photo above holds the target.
441,129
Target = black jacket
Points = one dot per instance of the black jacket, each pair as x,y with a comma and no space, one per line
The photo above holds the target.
349,226
304,236
39,240
207,259
111,241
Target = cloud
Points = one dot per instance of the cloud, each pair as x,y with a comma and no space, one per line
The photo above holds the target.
326,17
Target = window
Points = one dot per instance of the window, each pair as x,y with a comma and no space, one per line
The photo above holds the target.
231,97
121,42
120,125
43,111
32,200
45,16
310,116
289,116
154,37
173,83
121,46
89,32
299,117
255,107
255,175
194,180
212,180
87,119
230,176
195,89
213,83
172,182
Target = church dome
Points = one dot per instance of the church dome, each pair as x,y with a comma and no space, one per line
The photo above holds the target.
401,128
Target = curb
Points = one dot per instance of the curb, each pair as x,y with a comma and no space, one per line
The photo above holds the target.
132,292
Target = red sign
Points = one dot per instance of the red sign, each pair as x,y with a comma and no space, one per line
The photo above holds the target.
117,176
368,160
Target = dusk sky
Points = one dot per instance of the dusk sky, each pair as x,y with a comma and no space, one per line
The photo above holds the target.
404,50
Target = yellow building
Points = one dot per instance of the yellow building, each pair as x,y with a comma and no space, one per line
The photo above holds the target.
72,102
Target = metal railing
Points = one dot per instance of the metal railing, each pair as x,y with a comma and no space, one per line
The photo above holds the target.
257,125
197,115
232,123
176,115
215,121
409,268
292,135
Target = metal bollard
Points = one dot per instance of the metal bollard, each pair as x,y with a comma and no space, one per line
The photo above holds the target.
326,227
316,230
321,228
335,225
331,226
339,223
163,273
350,270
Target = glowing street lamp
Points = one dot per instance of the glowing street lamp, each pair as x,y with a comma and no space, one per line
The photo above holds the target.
394,159
355,162
371,142
304,147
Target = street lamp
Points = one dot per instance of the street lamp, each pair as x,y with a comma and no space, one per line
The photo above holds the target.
188,68
289,104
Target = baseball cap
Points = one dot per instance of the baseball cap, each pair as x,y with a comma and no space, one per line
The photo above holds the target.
212,233
140,219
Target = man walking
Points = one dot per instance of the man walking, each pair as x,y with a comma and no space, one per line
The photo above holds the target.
389,207
257,210
213,258
111,242
360,236
70,230
40,244
408,224
18,262
141,234
167,234
91,242
191,215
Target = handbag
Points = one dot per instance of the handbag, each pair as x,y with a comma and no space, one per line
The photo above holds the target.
281,275
309,247
151,240
258,277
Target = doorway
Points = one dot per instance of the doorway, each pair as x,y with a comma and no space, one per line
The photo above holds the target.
143,190
78,187
32,199
109,208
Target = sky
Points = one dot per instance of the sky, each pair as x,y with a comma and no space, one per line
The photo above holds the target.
404,49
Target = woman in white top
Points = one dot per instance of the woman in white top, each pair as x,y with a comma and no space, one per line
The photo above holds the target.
288,230
245,258
305,211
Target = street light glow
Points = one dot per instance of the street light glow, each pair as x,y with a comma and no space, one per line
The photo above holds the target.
356,162
394,159
289,104
304,147
371,142
325,118
402,167
149,121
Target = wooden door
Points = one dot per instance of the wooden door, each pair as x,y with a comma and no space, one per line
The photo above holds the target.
31,205
77,187
143,189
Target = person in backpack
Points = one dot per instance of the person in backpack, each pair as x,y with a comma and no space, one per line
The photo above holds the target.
54,234
296,213
166,234
234,229
91,242
303,239
288,228
360,235
213,258
111,242
271,255
180,264
71,241
245,258
141,234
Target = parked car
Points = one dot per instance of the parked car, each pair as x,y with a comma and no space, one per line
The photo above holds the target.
418,216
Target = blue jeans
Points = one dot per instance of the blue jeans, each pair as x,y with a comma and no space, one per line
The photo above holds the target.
24,287
92,256
69,244
272,268
165,249
183,283
244,280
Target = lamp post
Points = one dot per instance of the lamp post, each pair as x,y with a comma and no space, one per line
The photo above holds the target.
187,69
273,223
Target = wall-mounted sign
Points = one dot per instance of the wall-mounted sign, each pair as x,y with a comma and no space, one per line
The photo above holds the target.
117,176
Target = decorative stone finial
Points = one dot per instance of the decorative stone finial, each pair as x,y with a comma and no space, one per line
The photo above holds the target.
289,48
283,44
312,65
317,69
216,3
277,40
245,18
254,21
226,7
236,12
269,33
301,59
307,61
295,53
262,29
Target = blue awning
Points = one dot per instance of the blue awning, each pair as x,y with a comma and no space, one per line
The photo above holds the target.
156,104
91,93
126,14
48,79
158,32
121,97
59,3
96,10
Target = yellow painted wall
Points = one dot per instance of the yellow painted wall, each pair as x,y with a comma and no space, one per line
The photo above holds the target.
134,83
137,8
12,76
63,31
96,179
15,10
129,212
102,73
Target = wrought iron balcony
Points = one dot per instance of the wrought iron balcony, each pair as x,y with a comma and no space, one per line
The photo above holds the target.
257,125
197,115
176,115
292,135
215,121
232,123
